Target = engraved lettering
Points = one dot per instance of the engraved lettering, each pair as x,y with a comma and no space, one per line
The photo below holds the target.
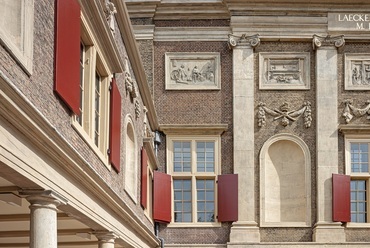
360,26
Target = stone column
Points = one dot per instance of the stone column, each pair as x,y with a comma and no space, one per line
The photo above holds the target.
246,228
106,239
326,136
43,223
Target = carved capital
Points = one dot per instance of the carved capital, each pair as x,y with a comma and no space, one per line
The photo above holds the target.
243,40
319,41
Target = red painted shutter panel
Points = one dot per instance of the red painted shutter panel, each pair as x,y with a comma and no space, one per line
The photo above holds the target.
227,197
341,198
67,53
162,197
144,178
115,127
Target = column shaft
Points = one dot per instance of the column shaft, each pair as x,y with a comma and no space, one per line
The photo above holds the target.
327,143
245,229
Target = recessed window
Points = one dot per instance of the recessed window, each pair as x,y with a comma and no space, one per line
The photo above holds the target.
193,163
357,158
93,121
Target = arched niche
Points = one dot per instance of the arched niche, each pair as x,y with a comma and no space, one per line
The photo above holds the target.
131,170
285,182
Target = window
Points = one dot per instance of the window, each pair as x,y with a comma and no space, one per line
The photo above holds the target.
93,120
83,68
357,161
16,30
194,165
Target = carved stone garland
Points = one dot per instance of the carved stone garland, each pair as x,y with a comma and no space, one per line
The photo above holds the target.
357,112
235,40
284,114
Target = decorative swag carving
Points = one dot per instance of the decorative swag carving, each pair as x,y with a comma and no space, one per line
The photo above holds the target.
350,111
284,114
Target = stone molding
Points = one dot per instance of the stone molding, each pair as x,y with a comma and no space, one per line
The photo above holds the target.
243,40
321,41
284,71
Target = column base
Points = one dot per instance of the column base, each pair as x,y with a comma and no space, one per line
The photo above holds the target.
245,232
329,233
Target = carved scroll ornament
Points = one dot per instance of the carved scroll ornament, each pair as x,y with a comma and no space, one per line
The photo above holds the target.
318,41
350,111
245,40
284,114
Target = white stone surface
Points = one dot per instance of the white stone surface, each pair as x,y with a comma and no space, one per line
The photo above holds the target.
327,143
245,229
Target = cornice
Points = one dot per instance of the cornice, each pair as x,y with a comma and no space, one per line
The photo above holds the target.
354,129
133,53
191,33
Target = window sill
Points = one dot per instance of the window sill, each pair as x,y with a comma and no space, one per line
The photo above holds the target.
357,225
192,224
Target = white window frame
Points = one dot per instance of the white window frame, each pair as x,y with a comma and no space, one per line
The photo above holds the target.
23,56
193,175
358,175
93,64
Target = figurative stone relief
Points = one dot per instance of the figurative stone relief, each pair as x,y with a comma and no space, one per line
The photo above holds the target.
284,71
351,111
193,71
284,114
357,72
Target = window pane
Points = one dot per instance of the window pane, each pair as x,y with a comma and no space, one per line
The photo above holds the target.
359,157
181,156
201,195
186,217
205,156
182,200
205,200
210,206
210,217
358,201
201,217
201,206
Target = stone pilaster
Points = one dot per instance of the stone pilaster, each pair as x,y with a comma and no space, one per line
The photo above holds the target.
327,136
106,239
246,228
43,223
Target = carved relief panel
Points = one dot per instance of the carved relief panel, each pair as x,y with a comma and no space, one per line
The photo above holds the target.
284,71
193,71
357,72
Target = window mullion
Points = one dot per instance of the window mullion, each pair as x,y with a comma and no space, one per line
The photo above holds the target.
194,198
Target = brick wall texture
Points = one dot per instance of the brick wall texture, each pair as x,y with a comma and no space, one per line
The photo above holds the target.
38,89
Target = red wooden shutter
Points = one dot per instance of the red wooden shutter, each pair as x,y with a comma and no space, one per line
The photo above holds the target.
67,53
144,178
162,197
341,198
227,197
115,127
